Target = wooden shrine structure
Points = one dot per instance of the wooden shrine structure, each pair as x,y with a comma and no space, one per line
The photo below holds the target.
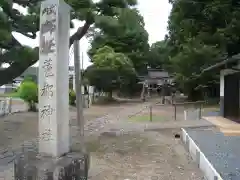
157,81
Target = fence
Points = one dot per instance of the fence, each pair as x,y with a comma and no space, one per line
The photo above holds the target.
170,112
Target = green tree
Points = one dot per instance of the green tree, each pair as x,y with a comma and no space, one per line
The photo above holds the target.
212,23
159,55
199,38
128,36
72,97
109,70
187,66
100,14
28,91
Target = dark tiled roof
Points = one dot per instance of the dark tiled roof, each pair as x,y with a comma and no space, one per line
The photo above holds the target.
222,64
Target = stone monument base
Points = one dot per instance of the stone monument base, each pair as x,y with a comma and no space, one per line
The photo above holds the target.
70,166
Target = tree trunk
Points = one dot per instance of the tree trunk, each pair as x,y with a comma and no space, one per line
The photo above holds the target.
110,95
32,107
143,93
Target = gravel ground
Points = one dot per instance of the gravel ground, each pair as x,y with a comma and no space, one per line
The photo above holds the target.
222,151
141,156
19,127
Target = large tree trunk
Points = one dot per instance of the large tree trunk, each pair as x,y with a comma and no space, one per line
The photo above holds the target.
110,95
143,93
19,66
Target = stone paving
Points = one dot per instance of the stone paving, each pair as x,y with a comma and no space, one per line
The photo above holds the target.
222,151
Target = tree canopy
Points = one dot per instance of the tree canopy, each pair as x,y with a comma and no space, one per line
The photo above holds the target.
158,56
110,70
200,33
100,14
128,36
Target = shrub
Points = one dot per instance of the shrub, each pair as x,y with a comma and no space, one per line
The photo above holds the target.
28,91
17,89
72,97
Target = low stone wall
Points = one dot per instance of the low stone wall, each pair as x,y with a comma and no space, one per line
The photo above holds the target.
24,163
90,99
10,105
192,114
198,156
5,106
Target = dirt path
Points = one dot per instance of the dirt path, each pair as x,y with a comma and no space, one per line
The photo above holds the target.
19,127
142,151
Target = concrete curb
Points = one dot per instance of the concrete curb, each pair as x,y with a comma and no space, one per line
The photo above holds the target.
207,168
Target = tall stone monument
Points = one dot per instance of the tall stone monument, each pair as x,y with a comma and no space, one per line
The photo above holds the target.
53,78
53,161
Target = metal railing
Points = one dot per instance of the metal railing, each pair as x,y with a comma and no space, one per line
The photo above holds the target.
197,105
170,112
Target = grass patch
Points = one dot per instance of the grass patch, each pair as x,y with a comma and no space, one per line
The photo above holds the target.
104,100
211,108
211,105
146,118
13,94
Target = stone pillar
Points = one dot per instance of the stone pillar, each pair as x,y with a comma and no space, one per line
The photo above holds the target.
222,93
54,136
73,82
9,105
1,108
91,95
52,160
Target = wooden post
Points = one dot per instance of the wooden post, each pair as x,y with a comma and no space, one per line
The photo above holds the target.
10,105
150,109
175,112
78,85
200,112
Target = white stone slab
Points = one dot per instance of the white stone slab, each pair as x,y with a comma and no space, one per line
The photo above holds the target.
73,82
53,78
193,149
221,84
10,105
91,89
207,168
83,89
209,171
183,136
192,114
7,106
